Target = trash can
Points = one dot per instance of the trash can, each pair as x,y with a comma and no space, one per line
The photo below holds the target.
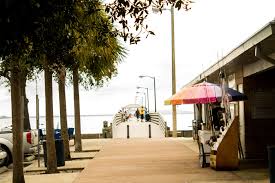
271,163
59,148
57,133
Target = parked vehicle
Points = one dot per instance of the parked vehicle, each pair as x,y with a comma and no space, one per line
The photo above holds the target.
30,142
3,155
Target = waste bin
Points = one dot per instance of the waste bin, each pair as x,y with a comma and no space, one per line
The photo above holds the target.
59,148
57,134
271,163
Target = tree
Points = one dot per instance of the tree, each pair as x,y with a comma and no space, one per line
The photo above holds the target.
17,130
131,15
51,151
78,143
28,72
53,40
15,25
63,111
96,54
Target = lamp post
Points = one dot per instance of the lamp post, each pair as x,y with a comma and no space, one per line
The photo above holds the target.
174,110
154,89
37,121
144,97
138,87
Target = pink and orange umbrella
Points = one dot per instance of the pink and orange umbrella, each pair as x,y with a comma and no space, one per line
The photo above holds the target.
202,93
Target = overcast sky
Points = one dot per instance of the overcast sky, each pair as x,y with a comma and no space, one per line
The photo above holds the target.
203,35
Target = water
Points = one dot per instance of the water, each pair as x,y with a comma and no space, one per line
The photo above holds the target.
94,123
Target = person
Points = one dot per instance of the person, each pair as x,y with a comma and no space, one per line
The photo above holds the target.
141,112
147,116
137,114
218,121
127,115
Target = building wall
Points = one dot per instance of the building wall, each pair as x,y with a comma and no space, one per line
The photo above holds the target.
259,113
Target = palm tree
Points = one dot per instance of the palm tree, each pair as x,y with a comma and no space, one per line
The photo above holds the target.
97,54
63,111
17,130
51,151
78,143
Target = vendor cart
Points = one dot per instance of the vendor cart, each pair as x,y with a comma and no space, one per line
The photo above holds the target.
204,147
216,129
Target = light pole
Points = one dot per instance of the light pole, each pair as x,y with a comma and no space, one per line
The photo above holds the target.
144,97
37,121
138,87
154,89
174,110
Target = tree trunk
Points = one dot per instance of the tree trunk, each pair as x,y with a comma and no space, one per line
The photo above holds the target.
78,144
27,125
63,113
51,152
17,126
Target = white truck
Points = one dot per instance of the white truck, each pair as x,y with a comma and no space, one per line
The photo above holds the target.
30,142
3,155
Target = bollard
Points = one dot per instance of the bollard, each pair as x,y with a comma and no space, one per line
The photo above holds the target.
150,135
128,132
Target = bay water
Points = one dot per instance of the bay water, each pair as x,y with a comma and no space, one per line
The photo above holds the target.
92,124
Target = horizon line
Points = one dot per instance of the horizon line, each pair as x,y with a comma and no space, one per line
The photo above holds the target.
71,115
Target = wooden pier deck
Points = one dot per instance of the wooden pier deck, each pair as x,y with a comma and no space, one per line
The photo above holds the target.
172,160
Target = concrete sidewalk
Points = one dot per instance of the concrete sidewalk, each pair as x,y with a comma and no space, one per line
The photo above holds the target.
68,173
158,160
173,160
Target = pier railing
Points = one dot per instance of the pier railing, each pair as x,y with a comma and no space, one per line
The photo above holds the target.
118,118
155,127
157,119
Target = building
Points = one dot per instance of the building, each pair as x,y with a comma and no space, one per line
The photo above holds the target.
250,68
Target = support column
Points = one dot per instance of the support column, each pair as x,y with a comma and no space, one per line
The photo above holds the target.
242,120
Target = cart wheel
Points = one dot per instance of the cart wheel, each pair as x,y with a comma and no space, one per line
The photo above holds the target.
202,157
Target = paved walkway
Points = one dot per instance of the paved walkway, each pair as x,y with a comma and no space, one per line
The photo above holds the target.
157,160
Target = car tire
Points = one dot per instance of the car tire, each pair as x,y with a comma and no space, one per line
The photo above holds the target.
6,161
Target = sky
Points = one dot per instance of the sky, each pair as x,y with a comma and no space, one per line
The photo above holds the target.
203,35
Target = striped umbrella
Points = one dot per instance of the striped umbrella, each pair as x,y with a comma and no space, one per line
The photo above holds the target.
202,93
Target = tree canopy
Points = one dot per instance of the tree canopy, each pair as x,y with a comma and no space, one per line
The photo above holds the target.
131,15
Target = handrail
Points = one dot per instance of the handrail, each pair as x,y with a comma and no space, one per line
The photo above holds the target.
118,118
157,119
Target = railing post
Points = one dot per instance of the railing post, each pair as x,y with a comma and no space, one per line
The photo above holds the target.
165,131
128,132
150,135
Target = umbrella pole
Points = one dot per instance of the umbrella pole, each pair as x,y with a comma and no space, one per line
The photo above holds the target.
211,119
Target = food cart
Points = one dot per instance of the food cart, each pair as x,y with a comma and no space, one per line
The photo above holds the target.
218,143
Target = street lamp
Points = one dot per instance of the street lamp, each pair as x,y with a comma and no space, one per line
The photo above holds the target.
144,97
139,87
174,110
154,89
